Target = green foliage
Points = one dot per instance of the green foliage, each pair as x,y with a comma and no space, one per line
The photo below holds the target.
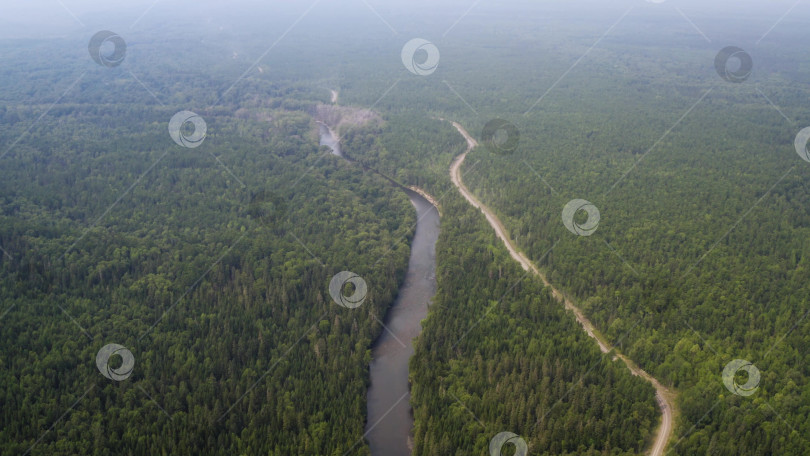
498,353
241,311
238,294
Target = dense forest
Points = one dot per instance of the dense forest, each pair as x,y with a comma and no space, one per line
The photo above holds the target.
699,256
215,276
212,264
497,353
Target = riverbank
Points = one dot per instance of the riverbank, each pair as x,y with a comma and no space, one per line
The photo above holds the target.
427,196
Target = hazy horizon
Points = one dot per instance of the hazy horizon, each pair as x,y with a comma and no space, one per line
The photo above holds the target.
45,18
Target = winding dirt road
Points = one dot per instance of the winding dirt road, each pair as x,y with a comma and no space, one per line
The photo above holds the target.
663,395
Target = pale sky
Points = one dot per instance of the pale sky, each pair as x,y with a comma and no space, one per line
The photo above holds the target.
54,18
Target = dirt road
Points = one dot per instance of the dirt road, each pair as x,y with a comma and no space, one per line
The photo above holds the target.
664,396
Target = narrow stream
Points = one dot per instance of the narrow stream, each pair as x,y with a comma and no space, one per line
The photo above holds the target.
328,138
390,420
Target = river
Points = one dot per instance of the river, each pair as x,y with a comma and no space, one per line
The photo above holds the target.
390,419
